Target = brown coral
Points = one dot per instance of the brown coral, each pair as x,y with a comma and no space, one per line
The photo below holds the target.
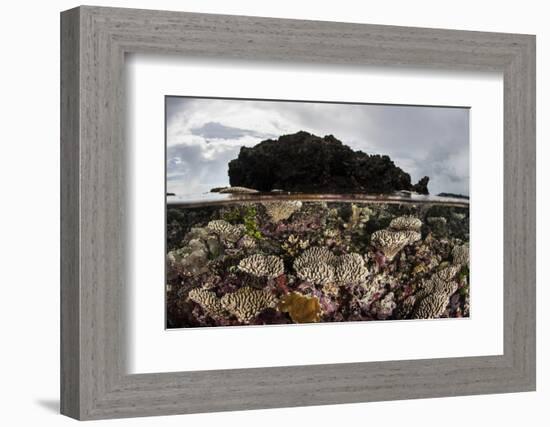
247,303
269,266
301,308
281,209
390,242
208,301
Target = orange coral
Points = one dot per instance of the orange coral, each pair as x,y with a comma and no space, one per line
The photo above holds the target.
301,308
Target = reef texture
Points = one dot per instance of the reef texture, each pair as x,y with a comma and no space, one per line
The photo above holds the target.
303,162
283,262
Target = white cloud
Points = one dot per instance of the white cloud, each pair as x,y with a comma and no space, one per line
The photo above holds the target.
204,134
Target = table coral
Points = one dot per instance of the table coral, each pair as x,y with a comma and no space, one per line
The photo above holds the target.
224,229
247,303
320,266
350,269
208,301
433,298
317,272
390,242
258,265
301,308
405,223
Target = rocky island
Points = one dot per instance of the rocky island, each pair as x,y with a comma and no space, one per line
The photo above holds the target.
306,163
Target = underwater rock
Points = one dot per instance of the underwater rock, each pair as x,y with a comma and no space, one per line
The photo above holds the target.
303,162
208,301
193,257
228,231
247,303
383,308
301,308
390,242
258,265
233,190
281,210
439,221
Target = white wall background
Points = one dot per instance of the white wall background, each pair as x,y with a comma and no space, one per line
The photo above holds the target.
29,224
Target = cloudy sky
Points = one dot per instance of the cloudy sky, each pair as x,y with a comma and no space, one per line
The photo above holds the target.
203,135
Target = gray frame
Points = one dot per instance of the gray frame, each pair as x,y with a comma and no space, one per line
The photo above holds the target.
94,41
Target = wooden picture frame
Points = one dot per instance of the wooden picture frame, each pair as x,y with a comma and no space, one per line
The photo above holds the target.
94,41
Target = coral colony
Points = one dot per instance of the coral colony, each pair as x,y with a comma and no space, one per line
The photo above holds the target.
281,261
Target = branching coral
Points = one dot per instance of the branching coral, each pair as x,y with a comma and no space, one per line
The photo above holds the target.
228,231
208,301
269,266
247,303
301,308
406,223
390,242
281,209
433,298
461,254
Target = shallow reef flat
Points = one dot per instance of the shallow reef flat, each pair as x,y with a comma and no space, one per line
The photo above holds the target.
291,261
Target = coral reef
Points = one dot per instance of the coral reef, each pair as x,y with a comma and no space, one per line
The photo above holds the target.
252,263
269,266
247,303
301,308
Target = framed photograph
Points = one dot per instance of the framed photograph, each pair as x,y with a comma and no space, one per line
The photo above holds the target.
262,213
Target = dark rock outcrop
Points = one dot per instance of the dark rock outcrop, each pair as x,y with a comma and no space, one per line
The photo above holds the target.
303,162
421,187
